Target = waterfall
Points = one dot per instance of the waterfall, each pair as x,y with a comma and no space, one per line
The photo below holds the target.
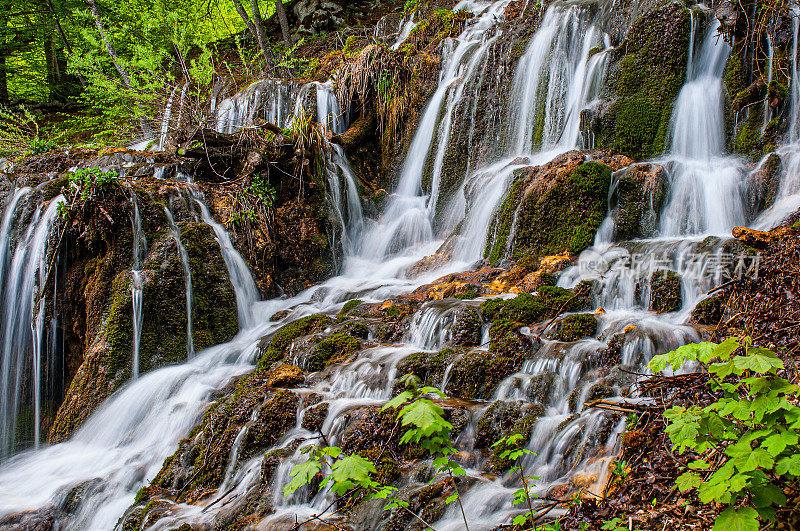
408,216
175,232
555,78
123,444
22,309
788,197
139,246
705,183
244,286
272,100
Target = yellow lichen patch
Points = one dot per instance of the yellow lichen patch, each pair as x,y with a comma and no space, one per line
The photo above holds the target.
554,263
629,328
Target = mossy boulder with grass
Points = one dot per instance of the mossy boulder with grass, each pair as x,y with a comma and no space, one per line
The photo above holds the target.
637,198
665,292
333,349
575,327
551,209
708,311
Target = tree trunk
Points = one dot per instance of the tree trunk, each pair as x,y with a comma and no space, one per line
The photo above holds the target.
251,25
258,24
53,71
3,81
112,53
280,11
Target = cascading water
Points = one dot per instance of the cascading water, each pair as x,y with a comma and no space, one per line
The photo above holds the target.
175,232
123,444
139,246
22,313
705,184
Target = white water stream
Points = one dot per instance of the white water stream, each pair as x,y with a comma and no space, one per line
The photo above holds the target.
123,444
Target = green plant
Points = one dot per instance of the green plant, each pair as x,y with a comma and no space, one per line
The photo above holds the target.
93,179
260,187
747,440
523,494
616,524
620,471
427,428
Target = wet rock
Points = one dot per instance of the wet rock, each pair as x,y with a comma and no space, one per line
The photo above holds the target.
497,419
333,349
315,416
540,386
271,461
762,184
317,16
665,292
708,311
467,328
551,209
637,198
286,376
575,327
523,428
643,81
275,347
477,373
428,366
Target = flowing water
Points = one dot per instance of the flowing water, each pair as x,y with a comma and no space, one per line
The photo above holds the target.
137,288
123,444
175,232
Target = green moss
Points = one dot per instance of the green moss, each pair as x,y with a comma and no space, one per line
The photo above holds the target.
646,82
469,294
575,327
330,350
564,219
348,307
428,366
665,292
277,346
708,311
476,374
524,427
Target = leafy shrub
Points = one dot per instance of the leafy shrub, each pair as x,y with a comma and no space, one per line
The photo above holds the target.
747,440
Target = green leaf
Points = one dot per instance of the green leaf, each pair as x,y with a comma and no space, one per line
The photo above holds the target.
351,471
758,360
520,519
777,443
426,416
743,519
688,481
699,464
758,458
301,474
767,495
789,465
398,401
706,351
450,499
726,348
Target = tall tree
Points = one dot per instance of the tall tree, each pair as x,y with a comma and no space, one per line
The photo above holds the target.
280,11
255,26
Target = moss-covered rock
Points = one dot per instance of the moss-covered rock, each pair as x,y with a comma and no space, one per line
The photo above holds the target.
467,328
348,307
762,184
476,374
637,199
552,209
708,311
575,327
665,292
644,82
539,387
274,348
497,419
428,366
333,349
522,427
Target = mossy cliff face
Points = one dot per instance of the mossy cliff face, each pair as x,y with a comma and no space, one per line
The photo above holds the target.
637,197
551,209
643,81
105,322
